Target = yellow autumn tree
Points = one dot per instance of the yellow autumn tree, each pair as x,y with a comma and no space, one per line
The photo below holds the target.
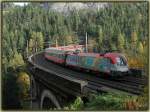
36,42
134,37
23,81
140,48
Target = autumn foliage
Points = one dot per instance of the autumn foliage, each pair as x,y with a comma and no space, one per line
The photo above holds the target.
24,84
135,62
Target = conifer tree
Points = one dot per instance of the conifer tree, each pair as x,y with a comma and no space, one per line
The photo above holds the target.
100,39
120,41
134,39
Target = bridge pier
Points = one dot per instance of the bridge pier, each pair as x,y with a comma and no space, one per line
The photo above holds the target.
34,103
33,87
44,98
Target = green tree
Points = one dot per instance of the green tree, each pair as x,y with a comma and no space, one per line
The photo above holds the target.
31,45
69,40
17,60
134,40
120,41
100,39
21,41
75,39
113,47
40,40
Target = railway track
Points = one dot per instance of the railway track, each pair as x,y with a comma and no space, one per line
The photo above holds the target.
131,82
127,84
139,80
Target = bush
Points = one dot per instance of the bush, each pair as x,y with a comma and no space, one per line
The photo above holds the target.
10,92
111,101
23,81
76,105
105,102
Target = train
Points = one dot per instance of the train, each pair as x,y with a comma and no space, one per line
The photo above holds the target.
110,63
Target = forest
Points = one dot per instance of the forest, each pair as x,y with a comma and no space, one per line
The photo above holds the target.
119,26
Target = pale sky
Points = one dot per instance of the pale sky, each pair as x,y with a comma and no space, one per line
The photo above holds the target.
20,3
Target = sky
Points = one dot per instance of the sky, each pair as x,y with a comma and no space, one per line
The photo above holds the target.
20,3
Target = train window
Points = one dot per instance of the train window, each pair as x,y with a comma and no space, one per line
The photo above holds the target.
121,61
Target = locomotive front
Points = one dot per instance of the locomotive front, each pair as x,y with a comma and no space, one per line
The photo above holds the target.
118,66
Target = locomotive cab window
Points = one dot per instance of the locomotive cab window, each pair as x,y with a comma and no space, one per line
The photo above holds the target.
121,61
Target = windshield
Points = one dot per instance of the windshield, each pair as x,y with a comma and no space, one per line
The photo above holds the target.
121,61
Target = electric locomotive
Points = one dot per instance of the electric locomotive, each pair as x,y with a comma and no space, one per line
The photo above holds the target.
109,63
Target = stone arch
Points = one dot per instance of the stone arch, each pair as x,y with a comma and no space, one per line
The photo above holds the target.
48,100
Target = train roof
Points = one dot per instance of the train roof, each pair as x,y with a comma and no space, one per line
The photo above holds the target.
54,50
89,54
99,54
111,54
